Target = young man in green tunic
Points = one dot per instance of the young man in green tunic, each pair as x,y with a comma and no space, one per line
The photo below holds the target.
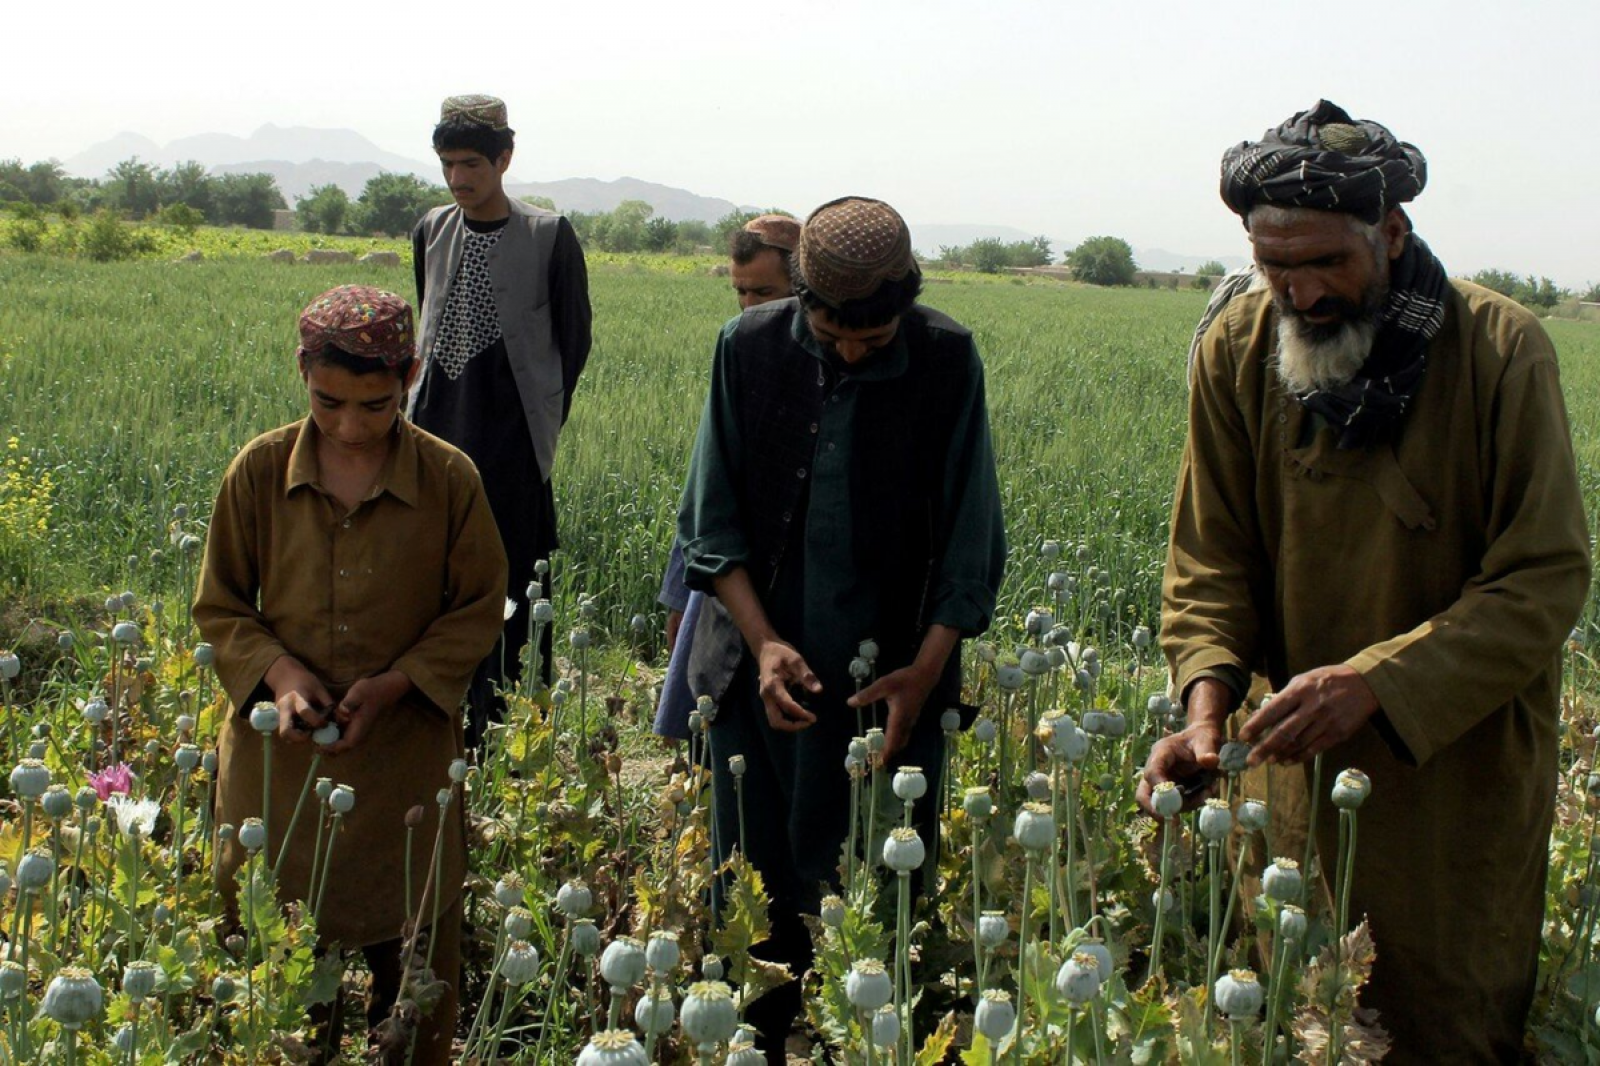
1378,510
842,488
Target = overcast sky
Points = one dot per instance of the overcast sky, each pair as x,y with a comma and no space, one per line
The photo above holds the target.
1066,119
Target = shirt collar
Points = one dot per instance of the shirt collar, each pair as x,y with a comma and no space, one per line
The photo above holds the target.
399,477
890,361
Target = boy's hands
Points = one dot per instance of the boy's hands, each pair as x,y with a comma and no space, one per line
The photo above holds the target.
780,667
905,691
361,706
302,699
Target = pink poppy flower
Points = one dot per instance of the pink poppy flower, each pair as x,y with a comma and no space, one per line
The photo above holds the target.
112,780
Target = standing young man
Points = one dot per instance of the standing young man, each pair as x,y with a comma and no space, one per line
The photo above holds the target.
503,336
842,488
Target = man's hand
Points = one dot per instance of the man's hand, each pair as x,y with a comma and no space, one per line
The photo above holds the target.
303,701
781,666
905,691
1315,711
1189,757
674,623
361,706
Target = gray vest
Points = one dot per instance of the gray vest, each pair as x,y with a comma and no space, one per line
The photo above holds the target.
519,263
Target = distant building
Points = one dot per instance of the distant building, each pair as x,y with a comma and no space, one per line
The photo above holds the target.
284,220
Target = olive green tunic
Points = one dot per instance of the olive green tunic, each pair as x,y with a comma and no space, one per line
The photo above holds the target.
412,579
1447,568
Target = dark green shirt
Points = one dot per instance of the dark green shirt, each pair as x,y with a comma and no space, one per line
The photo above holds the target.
821,600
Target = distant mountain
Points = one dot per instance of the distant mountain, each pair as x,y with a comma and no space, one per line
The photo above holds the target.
1160,261
288,144
297,179
592,194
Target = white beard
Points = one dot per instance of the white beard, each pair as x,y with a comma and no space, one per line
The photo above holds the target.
1307,363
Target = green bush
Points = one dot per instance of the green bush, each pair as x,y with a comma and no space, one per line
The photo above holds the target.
107,238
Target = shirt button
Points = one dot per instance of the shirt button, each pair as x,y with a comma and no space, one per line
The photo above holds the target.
830,445
801,473
813,427
343,628
346,523
788,516
344,573
834,398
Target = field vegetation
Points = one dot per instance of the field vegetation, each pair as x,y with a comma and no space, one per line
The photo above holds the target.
1061,925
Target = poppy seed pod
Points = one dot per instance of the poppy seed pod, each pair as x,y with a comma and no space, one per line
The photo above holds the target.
910,784
1163,899
139,979
995,1015
993,929
1050,549
711,968
585,937
1037,622
744,1054
1253,816
1239,994
579,639
736,765
1037,785
868,650
1281,881
30,778
342,800
442,797
1116,724
113,604
64,641
984,730
885,1027
950,721
208,763
903,850
185,724
34,870
56,802
507,890
189,544
1057,658
542,567
1351,790
1166,800
1084,680
186,758
977,803
125,633
1291,922
223,988
253,834
1234,758
72,998
1078,980
832,911
10,665
697,721
1008,676
1094,723
1159,705
324,788
587,608
1067,741
860,669
264,718
655,1012
876,741
574,898
661,951
1141,637
868,986
1215,820
1034,826
226,832
1096,948
518,923
520,964
1034,663
13,980
458,770
613,1047
709,1016
544,612
327,735
622,964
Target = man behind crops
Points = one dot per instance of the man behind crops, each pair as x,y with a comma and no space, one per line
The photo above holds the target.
842,488
1378,510
759,270
502,333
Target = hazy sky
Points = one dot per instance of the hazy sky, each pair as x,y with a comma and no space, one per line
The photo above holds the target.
1067,119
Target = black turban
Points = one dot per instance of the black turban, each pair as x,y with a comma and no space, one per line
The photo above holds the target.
1326,160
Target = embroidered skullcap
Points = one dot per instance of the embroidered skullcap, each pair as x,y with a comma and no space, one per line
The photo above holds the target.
775,231
360,320
851,246
1326,160
476,109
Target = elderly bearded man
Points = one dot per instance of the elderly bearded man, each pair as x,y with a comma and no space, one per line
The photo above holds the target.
1378,510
